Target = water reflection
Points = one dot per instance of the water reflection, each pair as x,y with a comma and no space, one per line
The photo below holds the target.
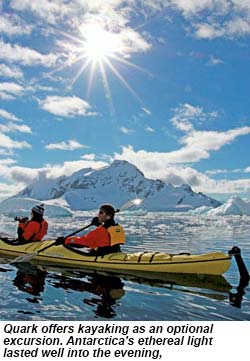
102,293
30,279
236,298
108,289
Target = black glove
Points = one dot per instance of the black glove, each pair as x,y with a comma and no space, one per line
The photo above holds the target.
95,222
21,219
59,241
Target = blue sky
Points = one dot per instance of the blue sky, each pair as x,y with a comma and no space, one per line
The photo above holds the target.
163,84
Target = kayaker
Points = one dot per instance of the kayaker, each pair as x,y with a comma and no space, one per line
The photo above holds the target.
106,238
33,229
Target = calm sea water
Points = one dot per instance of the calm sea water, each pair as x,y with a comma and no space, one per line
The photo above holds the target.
32,292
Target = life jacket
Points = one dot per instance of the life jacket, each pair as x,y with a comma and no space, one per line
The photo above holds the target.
117,235
35,231
43,230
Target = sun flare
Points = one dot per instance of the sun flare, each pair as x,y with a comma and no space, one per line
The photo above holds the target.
99,43
99,48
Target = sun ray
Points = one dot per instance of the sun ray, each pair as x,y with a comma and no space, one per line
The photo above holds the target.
132,65
78,74
91,77
123,81
99,48
107,88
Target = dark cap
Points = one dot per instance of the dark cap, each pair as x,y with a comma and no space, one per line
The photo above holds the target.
39,209
108,209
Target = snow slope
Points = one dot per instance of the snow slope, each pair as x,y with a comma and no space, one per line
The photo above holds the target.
116,184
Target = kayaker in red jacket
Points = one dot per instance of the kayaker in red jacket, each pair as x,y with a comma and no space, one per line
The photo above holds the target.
35,228
106,238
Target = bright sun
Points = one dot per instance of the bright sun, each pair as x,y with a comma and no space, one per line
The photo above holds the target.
98,49
99,44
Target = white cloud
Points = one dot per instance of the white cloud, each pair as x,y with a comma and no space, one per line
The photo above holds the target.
11,127
67,168
126,130
13,25
90,156
69,145
224,171
9,116
195,144
66,106
7,190
211,19
192,7
186,114
153,166
25,56
10,90
7,142
23,176
50,11
149,129
10,72
214,61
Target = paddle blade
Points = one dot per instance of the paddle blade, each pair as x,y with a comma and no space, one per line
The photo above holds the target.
24,258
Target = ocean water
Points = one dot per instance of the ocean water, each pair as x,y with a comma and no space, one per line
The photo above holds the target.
31,292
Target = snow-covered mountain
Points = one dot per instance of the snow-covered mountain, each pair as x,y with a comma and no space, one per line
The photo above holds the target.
116,184
234,206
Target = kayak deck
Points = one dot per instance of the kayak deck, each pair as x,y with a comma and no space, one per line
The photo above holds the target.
215,263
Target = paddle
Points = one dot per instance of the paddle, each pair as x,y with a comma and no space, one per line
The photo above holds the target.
29,256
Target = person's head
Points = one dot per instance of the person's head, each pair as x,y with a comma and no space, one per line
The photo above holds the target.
37,211
106,212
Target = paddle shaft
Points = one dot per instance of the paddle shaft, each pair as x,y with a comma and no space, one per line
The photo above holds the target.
69,235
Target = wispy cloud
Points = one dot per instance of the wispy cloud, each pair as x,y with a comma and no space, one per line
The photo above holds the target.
23,55
126,130
10,72
195,144
214,61
12,127
7,142
69,106
12,25
149,129
187,114
68,145
7,115
10,90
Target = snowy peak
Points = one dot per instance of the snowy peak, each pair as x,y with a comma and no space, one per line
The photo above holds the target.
118,183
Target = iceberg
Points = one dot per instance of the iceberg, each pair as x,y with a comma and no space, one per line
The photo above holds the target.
18,206
234,206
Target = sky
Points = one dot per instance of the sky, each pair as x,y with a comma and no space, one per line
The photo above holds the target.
163,84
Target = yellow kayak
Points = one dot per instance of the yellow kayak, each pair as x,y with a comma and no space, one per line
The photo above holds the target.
214,263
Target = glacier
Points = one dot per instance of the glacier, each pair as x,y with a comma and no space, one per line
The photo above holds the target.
17,206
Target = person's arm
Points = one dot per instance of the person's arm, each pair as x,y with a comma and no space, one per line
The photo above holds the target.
99,237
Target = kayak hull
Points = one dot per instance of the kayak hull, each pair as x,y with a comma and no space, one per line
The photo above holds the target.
215,263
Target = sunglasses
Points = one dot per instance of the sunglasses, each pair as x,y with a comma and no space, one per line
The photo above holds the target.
101,212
